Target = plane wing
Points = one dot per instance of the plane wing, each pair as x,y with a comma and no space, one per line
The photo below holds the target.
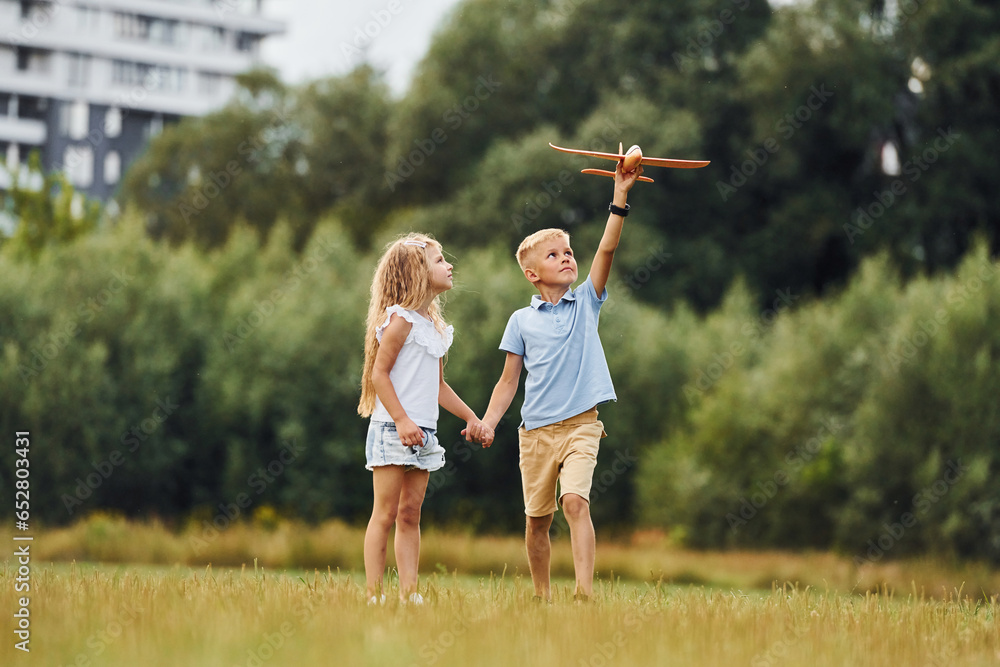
606,156
676,164
605,172
653,161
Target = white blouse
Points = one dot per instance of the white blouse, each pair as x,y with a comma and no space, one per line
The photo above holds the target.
416,374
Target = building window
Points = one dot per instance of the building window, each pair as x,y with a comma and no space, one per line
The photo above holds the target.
112,167
79,70
78,165
149,77
79,120
131,26
214,38
247,42
87,18
146,29
113,122
35,61
209,83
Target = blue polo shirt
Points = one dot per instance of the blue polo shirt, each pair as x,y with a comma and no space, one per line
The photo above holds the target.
567,371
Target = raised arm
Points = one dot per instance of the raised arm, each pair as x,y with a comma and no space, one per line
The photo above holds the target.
600,270
504,392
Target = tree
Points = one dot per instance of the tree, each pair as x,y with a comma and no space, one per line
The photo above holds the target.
344,139
47,210
203,175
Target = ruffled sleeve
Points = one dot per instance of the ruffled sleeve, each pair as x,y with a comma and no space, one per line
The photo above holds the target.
407,315
422,332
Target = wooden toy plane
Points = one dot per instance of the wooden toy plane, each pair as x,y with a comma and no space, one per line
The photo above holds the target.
632,159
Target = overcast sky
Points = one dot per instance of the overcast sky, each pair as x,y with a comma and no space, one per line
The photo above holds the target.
322,36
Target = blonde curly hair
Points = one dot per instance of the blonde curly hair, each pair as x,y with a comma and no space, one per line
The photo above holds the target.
402,277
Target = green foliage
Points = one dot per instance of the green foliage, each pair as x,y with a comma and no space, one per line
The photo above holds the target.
47,209
271,155
871,416
766,312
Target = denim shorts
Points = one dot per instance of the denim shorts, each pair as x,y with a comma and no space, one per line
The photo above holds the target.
383,448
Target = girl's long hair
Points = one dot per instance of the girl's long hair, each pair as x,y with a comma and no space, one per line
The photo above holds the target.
402,277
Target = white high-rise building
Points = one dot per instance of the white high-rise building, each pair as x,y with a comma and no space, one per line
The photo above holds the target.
88,82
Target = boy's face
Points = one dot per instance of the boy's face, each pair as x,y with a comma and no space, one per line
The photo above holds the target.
553,264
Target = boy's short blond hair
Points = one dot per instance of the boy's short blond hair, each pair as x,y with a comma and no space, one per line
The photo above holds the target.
529,244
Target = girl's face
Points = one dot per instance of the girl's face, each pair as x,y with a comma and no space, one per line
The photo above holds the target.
440,270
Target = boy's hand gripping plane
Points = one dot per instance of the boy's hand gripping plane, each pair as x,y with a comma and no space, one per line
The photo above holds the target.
632,159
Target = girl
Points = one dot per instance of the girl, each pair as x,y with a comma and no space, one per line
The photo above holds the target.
401,388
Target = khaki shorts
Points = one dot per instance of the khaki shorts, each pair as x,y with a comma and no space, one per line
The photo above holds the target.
565,452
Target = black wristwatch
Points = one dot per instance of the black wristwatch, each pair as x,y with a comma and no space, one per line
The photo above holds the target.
617,210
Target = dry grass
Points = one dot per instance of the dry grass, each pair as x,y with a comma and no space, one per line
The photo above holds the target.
649,557
128,615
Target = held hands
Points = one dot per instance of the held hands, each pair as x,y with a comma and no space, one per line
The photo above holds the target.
477,431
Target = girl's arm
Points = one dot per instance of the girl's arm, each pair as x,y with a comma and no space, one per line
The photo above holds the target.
393,338
450,401
504,392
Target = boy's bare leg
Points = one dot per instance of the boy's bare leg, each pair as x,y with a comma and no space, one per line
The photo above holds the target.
536,539
407,542
386,483
583,541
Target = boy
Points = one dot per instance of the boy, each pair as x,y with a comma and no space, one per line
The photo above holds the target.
556,340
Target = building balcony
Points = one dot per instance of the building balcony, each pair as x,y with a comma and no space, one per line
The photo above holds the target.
22,131
208,44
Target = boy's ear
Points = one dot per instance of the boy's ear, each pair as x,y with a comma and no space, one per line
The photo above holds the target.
530,274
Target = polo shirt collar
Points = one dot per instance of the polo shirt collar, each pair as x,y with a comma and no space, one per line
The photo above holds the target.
537,301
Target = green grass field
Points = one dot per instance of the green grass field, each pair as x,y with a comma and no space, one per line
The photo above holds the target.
83,613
